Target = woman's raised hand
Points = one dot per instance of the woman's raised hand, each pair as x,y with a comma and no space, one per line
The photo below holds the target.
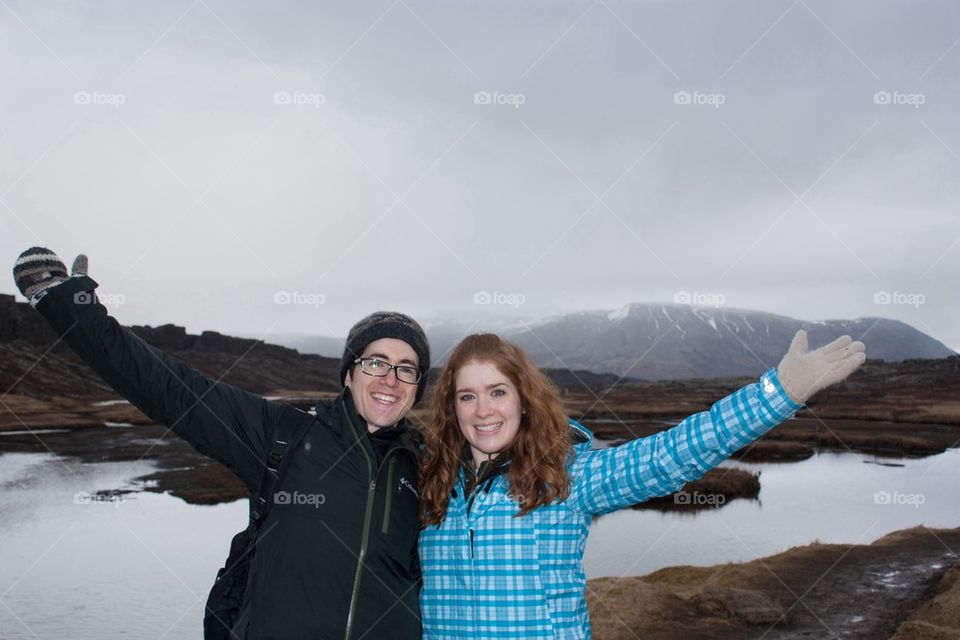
802,373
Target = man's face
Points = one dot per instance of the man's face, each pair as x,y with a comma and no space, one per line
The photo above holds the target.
382,402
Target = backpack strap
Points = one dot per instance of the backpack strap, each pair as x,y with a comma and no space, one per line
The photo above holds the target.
286,437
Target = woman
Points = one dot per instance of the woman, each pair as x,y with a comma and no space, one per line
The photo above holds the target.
509,484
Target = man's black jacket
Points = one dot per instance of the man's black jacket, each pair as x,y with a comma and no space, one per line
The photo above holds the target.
337,557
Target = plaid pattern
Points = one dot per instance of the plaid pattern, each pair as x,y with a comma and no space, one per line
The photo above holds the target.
487,574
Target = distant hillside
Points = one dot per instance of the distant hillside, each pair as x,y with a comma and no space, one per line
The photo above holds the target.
672,342
666,341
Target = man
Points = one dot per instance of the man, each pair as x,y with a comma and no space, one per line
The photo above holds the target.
337,556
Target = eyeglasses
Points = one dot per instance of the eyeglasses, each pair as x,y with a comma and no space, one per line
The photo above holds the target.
378,368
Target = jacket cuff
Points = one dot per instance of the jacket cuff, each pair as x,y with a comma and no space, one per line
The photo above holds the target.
63,305
68,289
775,397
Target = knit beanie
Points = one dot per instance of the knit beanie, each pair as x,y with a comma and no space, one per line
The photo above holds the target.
387,324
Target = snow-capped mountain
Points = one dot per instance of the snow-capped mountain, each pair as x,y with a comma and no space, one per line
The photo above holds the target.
658,341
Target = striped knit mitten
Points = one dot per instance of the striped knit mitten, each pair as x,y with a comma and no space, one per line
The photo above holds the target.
38,268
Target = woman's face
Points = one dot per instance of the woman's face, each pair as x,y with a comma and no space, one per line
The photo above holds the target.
488,409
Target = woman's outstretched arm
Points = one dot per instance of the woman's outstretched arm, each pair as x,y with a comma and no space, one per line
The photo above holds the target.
610,479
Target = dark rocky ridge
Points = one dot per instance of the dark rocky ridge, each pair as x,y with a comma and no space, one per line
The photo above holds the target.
261,368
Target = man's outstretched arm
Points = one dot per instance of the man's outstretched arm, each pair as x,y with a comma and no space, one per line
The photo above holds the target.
223,422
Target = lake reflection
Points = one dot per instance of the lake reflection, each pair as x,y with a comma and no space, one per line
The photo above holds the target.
72,567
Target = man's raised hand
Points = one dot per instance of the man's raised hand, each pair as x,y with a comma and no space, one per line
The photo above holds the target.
38,269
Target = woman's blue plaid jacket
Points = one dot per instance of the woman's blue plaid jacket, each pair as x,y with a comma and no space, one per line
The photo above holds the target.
487,574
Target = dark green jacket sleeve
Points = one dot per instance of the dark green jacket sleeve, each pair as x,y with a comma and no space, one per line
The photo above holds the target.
223,422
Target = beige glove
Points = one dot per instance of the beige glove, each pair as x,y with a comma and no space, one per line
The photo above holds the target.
802,373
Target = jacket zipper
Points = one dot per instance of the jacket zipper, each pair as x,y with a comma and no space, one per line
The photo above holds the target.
386,508
471,543
367,516
365,539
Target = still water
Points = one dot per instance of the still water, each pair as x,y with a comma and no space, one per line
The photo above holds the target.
139,566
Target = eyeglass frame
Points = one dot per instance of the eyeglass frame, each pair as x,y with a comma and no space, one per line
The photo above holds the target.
390,367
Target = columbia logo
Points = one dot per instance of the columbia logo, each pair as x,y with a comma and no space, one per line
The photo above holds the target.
406,483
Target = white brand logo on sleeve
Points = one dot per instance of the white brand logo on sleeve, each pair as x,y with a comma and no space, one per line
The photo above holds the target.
768,386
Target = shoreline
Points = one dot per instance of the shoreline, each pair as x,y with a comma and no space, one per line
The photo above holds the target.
904,581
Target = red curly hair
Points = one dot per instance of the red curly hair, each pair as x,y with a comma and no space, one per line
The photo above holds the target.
539,452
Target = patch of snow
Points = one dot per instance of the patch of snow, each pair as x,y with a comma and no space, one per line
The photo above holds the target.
713,323
619,314
664,309
706,317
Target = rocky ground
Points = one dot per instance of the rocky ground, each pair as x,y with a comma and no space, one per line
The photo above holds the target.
905,585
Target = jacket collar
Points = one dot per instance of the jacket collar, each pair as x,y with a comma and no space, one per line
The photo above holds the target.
409,437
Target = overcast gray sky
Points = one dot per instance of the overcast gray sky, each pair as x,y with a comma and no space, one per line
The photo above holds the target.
215,158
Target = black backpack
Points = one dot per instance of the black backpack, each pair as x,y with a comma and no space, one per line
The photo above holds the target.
226,595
